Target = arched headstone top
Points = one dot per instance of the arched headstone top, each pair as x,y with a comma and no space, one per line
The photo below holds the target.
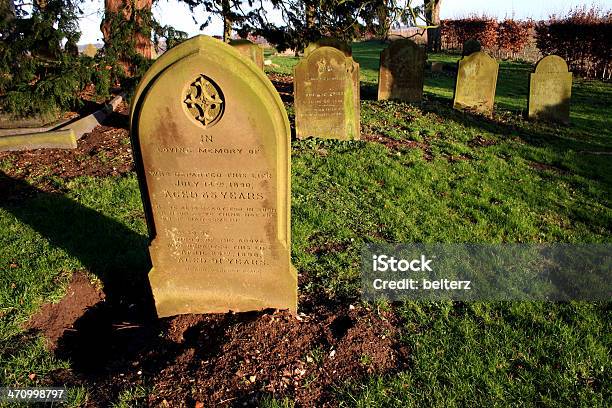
328,53
329,42
551,64
479,56
191,46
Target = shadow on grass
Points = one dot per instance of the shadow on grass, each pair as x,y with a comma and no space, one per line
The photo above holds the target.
368,91
536,134
108,249
120,334
114,253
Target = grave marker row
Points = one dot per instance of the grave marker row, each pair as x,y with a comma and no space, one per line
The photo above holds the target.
550,87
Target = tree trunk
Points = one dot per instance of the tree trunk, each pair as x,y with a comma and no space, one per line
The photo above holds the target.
227,21
384,24
432,15
129,9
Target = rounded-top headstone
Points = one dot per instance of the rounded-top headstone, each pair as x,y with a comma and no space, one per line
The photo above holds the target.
551,64
329,42
326,94
400,74
550,90
476,83
211,143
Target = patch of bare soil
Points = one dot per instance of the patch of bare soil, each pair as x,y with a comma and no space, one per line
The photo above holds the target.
229,359
103,152
53,319
399,145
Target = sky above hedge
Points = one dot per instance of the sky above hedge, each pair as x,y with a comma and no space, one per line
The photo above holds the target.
177,14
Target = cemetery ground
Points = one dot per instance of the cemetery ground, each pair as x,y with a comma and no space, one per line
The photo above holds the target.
75,311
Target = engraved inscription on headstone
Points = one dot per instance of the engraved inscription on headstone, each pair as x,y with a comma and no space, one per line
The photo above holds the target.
250,50
401,71
476,82
211,143
550,90
326,92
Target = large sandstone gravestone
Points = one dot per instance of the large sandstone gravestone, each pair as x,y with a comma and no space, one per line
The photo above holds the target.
401,71
550,90
476,82
329,42
250,50
211,142
326,94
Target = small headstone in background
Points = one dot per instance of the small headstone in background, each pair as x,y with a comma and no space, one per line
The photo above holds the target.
90,50
471,46
212,153
437,66
476,83
329,42
550,90
250,50
326,93
401,71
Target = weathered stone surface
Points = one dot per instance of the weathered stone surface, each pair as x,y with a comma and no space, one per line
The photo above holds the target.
211,142
59,139
250,50
550,90
90,50
329,42
401,71
326,93
476,82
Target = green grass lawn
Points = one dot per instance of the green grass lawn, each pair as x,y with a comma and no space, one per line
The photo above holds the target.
470,180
